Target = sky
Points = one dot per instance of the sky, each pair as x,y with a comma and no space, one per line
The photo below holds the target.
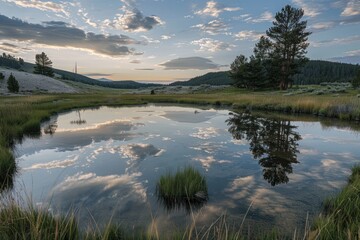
165,40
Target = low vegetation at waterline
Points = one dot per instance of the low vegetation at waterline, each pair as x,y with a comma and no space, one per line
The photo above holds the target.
340,219
7,169
186,188
31,223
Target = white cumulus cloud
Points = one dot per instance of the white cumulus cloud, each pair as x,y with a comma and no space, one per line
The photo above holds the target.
211,45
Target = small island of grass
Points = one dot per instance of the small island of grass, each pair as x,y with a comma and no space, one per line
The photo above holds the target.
187,188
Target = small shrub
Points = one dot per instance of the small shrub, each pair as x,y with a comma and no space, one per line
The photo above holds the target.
13,84
2,76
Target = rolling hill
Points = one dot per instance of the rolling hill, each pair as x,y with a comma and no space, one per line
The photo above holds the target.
29,67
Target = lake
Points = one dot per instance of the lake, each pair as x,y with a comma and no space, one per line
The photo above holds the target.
104,163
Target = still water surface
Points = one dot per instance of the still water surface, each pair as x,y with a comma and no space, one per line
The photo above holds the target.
105,163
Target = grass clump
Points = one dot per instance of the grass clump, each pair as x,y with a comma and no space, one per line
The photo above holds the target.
187,188
340,219
19,223
7,169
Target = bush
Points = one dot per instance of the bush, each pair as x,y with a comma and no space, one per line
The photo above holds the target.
2,76
13,84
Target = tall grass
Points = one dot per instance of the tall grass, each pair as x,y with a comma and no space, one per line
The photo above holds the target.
7,169
341,216
19,223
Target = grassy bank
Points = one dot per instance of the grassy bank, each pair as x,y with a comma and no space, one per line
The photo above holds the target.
341,216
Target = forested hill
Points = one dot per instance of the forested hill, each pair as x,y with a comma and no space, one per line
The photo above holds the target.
11,62
314,72
213,78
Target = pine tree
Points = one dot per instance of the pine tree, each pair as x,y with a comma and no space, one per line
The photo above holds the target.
13,85
289,41
238,71
43,65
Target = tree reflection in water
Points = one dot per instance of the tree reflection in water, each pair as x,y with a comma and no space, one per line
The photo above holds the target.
273,142
78,121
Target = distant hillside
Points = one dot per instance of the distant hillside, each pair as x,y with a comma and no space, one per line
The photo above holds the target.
29,67
83,79
314,72
213,78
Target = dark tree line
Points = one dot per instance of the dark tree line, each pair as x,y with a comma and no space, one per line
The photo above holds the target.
11,61
316,72
278,56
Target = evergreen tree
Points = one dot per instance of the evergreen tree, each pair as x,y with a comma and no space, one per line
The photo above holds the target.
13,85
289,42
249,74
2,76
238,71
277,57
43,65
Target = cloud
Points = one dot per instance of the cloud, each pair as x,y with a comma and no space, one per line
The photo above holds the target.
139,151
42,6
149,40
80,184
197,63
55,164
248,35
352,8
214,9
11,48
205,133
165,37
135,61
211,45
133,20
60,34
353,53
336,41
84,15
310,10
352,57
213,27
350,20
322,26
264,17
145,69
